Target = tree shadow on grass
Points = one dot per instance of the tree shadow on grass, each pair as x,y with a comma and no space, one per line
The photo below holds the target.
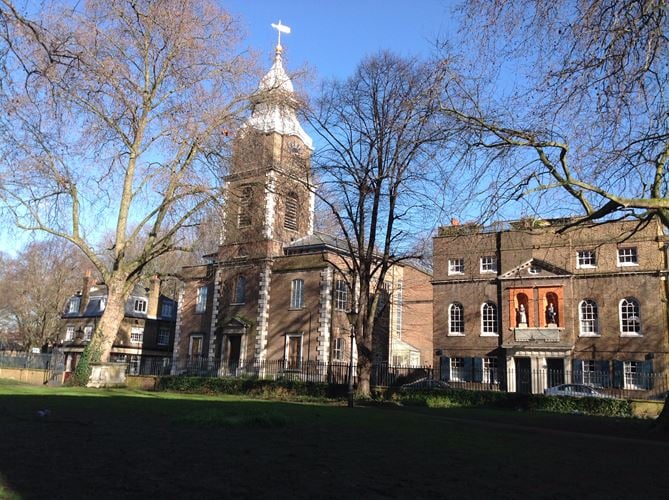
124,445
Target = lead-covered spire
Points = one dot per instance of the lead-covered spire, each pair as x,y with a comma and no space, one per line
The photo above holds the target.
274,103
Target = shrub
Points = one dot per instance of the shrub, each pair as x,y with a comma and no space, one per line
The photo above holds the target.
276,389
462,398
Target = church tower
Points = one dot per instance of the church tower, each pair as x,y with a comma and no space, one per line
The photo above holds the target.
269,201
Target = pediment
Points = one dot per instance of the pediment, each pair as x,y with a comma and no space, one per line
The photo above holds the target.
236,325
535,268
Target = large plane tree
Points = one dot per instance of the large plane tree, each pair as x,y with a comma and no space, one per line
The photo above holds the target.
113,120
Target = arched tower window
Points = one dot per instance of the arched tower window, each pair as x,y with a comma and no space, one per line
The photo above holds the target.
244,212
239,296
290,215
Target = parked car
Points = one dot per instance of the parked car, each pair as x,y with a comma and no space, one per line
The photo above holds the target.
574,390
425,384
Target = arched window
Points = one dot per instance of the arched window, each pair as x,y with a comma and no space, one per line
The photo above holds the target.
630,318
239,296
587,312
290,216
244,212
489,319
456,319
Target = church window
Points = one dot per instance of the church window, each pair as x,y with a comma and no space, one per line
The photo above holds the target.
290,216
297,294
240,291
244,213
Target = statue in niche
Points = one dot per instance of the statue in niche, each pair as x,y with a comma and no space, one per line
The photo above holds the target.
522,316
551,315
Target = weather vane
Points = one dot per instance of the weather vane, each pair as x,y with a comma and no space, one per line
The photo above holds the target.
280,28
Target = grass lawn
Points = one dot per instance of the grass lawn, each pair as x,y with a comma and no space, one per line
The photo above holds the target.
125,444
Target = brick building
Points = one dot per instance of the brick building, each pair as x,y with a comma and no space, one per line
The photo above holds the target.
145,338
273,293
527,306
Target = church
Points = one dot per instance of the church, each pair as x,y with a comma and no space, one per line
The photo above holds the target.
273,296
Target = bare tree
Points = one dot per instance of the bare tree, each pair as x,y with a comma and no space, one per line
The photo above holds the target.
114,118
34,287
377,173
589,119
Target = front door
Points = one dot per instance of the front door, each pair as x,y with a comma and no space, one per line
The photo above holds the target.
234,351
523,375
555,373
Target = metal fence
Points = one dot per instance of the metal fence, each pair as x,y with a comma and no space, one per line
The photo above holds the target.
22,359
306,371
630,385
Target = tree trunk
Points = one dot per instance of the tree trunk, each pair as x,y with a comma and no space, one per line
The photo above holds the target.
662,422
110,322
364,368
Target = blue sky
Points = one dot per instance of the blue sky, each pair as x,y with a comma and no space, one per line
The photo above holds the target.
328,37
331,37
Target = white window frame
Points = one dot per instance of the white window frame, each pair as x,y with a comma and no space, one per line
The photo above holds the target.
456,325
586,259
88,332
589,371
399,306
457,368
341,295
627,256
201,299
102,303
338,347
489,326
629,310
488,264
297,294
73,305
137,334
139,305
588,318
490,371
69,333
633,375
200,337
456,266
163,337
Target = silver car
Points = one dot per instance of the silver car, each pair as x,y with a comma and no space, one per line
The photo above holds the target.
574,390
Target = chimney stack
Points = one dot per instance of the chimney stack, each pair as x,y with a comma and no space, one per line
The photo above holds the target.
154,296
85,291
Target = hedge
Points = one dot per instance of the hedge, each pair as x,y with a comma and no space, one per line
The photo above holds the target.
560,404
279,389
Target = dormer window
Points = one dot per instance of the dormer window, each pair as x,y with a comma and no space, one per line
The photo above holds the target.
73,306
140,306
166,310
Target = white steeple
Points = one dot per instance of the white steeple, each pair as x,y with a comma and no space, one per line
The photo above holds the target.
274,101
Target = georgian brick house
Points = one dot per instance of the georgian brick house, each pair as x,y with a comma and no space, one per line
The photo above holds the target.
527,306
273,292
145,338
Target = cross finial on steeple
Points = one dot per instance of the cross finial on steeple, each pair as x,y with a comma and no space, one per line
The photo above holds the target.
280,28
